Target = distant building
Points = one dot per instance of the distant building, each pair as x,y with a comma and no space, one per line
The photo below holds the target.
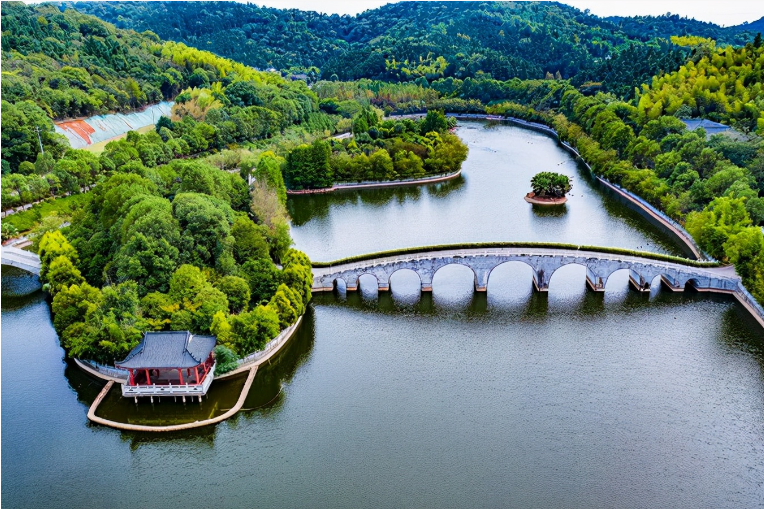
712,128
175,363
301,76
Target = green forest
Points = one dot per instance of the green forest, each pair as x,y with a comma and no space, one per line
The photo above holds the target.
407,41
185,227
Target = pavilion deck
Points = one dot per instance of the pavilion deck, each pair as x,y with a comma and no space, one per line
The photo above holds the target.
168,384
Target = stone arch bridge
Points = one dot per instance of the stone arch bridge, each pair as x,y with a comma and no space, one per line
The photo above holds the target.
600,263
674,273
21,259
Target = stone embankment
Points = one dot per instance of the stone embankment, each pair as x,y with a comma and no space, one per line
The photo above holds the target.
378,184
661,218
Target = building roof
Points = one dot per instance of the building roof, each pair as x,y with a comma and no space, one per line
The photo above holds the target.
168,350
709,125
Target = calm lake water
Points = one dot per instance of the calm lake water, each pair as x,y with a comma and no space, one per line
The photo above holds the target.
484,204
454,399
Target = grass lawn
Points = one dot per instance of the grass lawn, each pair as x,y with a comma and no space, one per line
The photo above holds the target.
25,221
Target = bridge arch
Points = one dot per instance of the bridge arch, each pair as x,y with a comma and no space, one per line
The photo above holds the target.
339,285
24,260
371,282
455,263
496,270
403,272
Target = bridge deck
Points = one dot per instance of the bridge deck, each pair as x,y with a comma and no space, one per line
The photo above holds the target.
464,253
21,259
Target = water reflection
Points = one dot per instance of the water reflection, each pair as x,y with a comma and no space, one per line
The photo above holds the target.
305,208
484,204
17,283
549,210
266,392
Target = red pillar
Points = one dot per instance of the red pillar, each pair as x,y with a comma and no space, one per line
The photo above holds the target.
196,374
132,378
180,374
148,378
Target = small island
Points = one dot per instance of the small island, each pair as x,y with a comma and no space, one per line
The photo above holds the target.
549,188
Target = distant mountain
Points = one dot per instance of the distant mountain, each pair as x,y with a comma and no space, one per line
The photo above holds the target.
753,27
645,28
407,41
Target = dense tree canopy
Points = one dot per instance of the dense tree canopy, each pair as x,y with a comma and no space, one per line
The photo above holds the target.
183,256
186,226
410,41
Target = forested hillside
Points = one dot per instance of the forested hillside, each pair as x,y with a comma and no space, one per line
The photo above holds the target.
69,64
427,40
722,84
161,242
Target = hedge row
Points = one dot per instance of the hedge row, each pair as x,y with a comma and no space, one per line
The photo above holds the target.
488,245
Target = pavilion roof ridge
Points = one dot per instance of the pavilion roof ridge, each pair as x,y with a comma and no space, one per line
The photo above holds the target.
169,350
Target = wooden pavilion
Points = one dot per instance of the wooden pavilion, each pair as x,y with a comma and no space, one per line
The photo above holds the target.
174,363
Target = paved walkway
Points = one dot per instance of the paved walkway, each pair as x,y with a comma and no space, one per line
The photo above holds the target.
250,366
376,184
175,427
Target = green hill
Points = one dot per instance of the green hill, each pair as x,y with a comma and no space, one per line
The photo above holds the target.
414,40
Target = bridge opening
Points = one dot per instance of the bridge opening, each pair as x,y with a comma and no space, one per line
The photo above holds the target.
368,286
405,286
510,284
453,286
617,286
567,285
340,288
656,287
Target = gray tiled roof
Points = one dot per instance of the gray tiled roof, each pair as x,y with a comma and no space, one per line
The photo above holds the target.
708,125
165,350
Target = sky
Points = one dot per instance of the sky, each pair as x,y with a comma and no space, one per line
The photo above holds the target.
726,13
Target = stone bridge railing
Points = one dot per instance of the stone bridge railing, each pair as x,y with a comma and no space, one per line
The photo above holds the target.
544,259
675,272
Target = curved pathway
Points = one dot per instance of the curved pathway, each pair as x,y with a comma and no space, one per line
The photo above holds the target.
377,184
175,427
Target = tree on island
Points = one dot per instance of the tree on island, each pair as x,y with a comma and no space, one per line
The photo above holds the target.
548,184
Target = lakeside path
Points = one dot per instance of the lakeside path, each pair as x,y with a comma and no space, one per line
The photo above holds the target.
650,211
249,364
378,184
175,427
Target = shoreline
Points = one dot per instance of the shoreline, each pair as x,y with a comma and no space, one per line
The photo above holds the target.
380,184
650,211
531,198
